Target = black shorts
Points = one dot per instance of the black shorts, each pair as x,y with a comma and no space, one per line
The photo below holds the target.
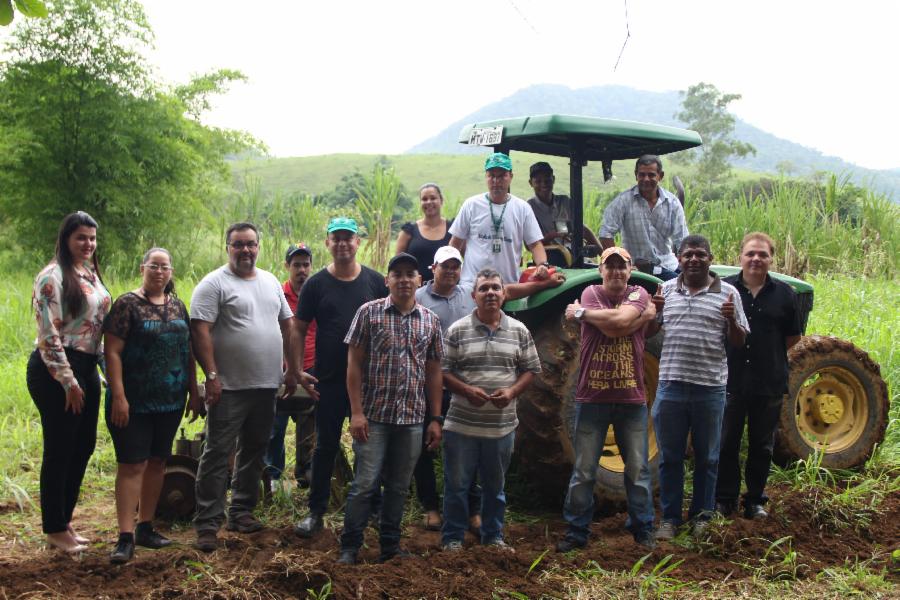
146,435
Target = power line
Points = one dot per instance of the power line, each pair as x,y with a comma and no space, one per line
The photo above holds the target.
627,36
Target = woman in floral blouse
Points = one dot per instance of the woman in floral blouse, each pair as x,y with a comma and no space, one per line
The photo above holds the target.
70,303
151,370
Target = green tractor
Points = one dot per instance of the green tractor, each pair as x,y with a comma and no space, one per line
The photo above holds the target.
837,401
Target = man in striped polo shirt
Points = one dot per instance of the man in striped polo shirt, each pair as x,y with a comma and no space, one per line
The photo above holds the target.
489,360
393,371
701,315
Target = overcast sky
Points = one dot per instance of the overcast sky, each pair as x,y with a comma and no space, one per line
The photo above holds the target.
379,77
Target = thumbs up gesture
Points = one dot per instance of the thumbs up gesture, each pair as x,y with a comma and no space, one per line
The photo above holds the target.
728,307
658,300
570,310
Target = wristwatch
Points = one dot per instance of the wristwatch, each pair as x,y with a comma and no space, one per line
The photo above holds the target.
211,376
438,418
545,264
579,314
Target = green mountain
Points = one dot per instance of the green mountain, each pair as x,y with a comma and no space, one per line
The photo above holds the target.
620,102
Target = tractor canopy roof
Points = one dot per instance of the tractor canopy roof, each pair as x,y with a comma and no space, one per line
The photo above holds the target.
589,138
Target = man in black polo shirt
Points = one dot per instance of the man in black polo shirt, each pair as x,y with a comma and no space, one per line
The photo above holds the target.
757,377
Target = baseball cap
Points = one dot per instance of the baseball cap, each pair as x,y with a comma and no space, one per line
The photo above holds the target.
498,160
540,167
615,250
298,248
446,253
403,257
342,224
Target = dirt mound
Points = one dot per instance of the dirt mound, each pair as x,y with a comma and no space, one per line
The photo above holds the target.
276,564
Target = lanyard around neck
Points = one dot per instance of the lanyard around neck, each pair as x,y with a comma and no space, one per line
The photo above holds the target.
497,223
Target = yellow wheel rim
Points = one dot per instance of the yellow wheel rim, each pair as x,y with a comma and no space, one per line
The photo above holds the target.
831,409
611,459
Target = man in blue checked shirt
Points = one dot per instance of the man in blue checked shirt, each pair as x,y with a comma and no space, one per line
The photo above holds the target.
393,364
650,219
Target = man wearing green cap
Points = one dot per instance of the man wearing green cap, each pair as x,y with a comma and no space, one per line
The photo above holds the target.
492,227
331,298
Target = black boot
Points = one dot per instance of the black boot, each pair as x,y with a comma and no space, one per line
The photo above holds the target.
124,549
146,536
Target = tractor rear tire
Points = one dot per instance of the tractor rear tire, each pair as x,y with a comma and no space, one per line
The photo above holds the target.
544,449
837,402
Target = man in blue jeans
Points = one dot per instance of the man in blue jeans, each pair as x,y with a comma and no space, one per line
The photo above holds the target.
613,317
701,314
393,363
490,360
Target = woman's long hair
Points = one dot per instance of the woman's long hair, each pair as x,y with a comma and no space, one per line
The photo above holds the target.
170,287
72,295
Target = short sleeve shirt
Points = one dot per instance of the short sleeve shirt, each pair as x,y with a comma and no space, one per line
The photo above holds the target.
475,224
694,346
612,369
647,234
760,366
491,361
246,330
560,209
309,346
332,304
155,355
397,347
449,309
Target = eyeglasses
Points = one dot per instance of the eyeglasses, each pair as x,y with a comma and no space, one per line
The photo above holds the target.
156,267
242,245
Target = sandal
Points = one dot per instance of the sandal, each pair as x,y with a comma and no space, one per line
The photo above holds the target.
433,520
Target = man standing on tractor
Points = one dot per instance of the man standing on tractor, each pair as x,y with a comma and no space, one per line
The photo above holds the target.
701,315
490,359
298,264
394,382
240,329
650,219
613,317
330,298
757,377
491,228
554,214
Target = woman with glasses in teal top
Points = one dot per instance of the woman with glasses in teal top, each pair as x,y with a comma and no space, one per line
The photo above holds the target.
151,372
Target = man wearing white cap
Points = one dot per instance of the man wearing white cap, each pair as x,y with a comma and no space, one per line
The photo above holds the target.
450,302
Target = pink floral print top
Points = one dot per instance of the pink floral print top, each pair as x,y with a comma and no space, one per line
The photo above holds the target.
56,332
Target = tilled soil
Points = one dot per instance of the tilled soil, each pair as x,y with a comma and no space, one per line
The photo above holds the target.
275,563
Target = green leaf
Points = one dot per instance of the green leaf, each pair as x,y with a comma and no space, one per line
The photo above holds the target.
6,12
31,8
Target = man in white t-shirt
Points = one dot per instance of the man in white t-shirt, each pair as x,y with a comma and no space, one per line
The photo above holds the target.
491,228
240,330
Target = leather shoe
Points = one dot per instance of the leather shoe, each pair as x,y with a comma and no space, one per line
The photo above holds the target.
207,541
124,550
724,508
755,511
348,557
567,544
150,538
310,526
396,553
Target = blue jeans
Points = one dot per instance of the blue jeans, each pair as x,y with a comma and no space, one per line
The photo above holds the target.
464,456
388,458
305,441
629,423
681,409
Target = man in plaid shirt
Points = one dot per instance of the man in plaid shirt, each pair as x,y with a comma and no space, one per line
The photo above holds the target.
393,363
650,219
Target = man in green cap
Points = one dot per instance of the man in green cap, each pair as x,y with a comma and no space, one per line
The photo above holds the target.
331,298
492,227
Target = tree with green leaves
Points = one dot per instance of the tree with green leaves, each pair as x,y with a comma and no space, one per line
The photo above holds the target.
27,8
705,110
83,126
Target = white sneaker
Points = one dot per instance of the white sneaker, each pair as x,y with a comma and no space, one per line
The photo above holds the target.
667,530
